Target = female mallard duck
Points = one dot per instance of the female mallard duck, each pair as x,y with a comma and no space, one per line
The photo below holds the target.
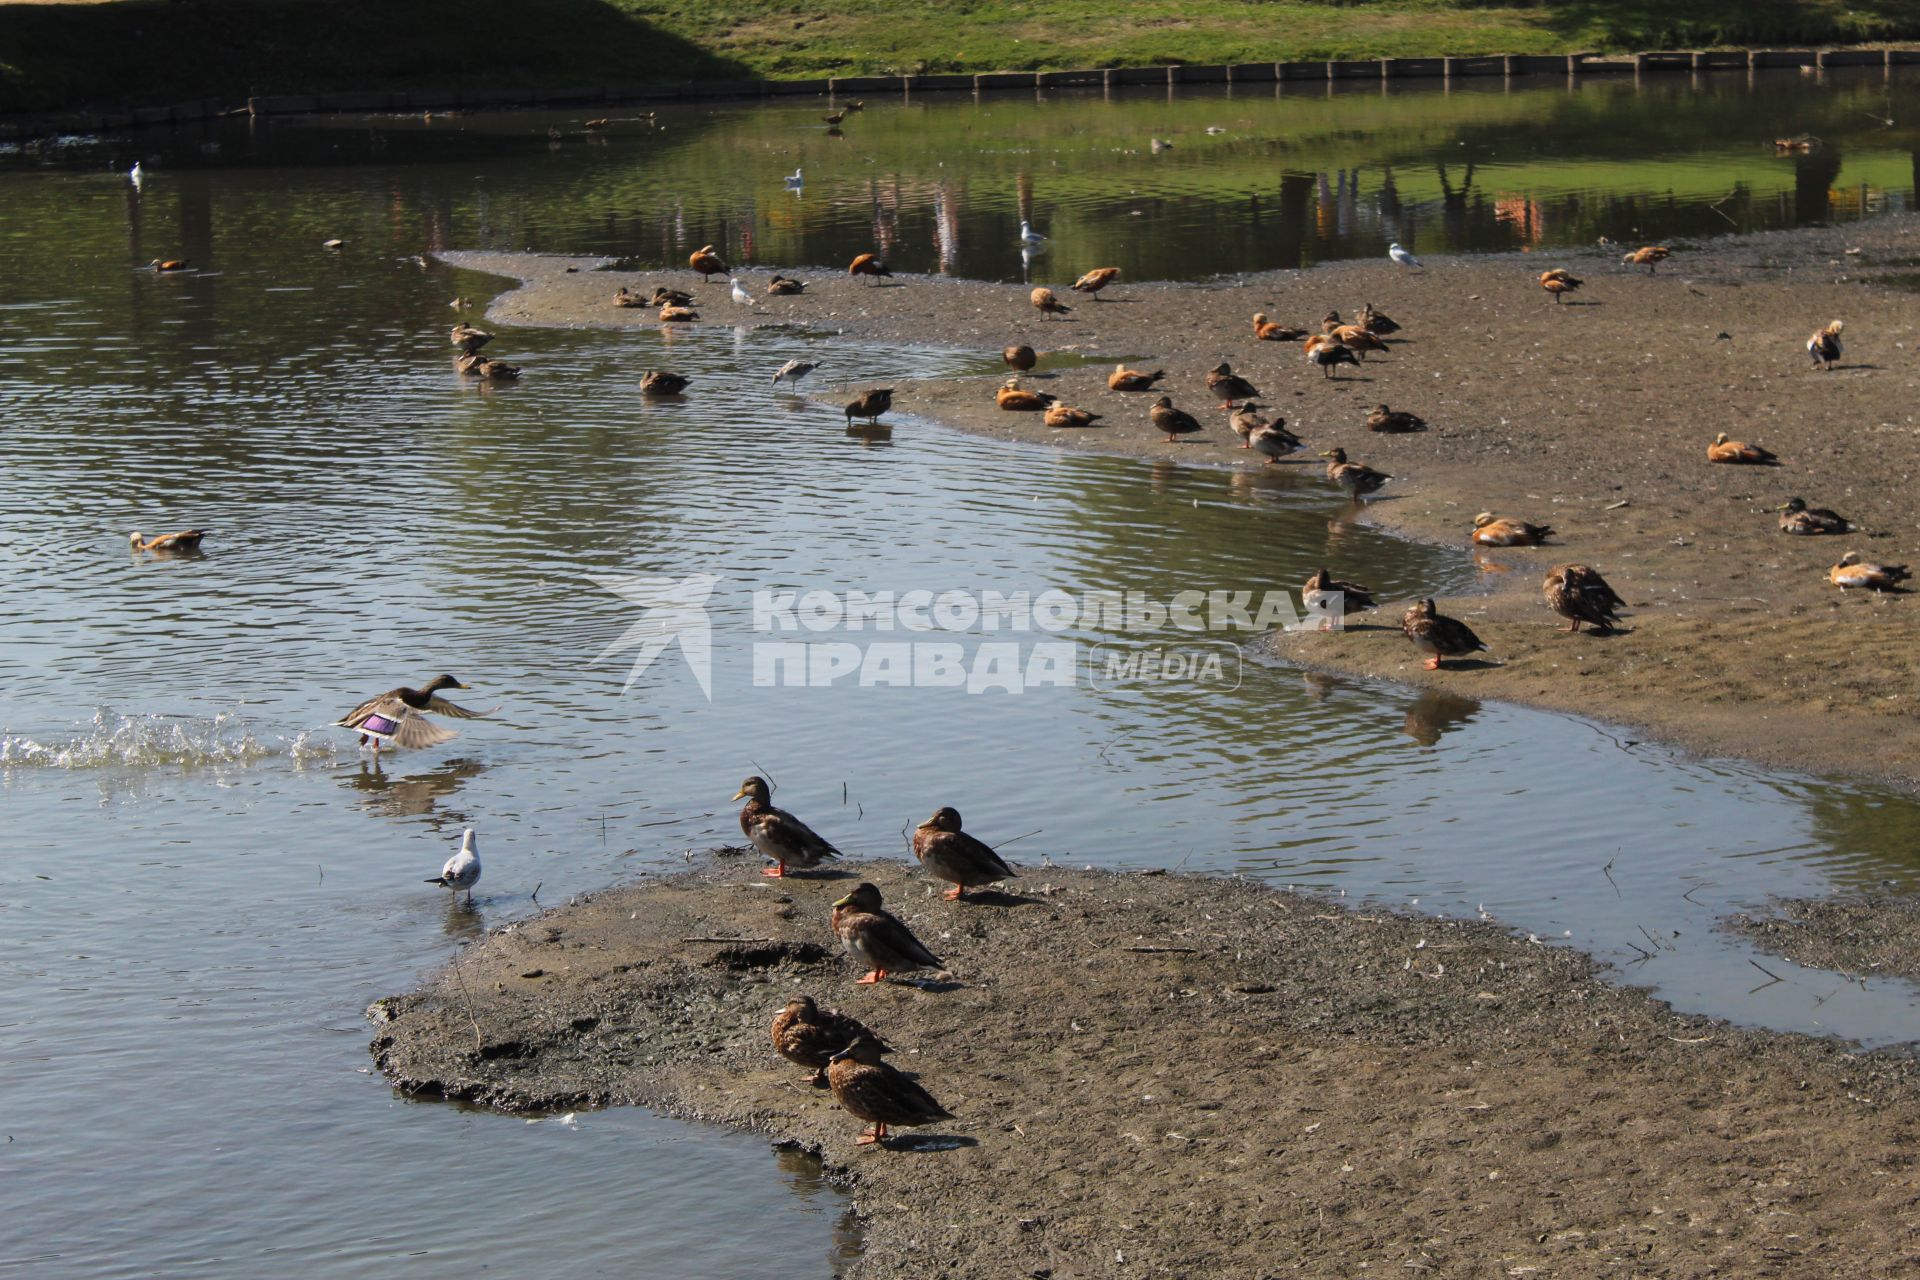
778,834
1490,530
870,404
678,315
1739,452
1272,441
870,1090
708,263
786,287
488,369
658,382
1174,422
1375,322
1015,398
1579,594
1229,386
808,1035
1328,354
1797,517
1244,421
1330,322
665,297
1096,280
1352,476
1824,346
1060,416
185,540
1438,636
954,856
622,298
1047,305
399,716
1394,422
868,264
469,339
876,938
1649,256
1267,331
835,117
1559,283
1125,379
1019,358
1852,571
1357,340
1327,594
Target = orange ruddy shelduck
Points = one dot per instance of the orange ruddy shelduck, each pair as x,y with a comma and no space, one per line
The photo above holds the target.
1852,571
707,262
1490,530
868,264
1559,282
1096,280
1738,451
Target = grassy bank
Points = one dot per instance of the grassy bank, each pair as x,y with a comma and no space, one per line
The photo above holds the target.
124,52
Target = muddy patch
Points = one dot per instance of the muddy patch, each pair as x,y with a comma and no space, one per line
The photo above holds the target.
1859,937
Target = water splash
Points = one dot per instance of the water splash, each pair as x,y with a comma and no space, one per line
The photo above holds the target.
115,740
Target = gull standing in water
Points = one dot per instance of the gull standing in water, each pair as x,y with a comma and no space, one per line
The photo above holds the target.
1030,237
463,868
739,292
1401,257
796,180
136,175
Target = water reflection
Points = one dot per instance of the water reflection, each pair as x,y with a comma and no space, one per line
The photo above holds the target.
394,794
1434,713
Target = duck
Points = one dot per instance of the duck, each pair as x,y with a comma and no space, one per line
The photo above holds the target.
170,264
1158,145
1245,419
1047,305
488,369
1579,594
1017,399
1060,416
1797,517
1328,354
858,104
1324,593
1020,357
792,371
1648,256
462,870
835,117
809,1036
868,1089
598,122
708,263
622,298
786,287
468,338
1356,340
1375,322
1352,476
399,716
1793,145
1490,530
1125,379
1739,452
1273,441
956,857
1267,331
1824,346
1174,422
678,315
876,937
868,264
1331,321
658,382
1223,382
1852,571
1438,636
777,834
185,540
665,297
870,404
1095,280
739,292
1559,283
1028,236
1394,422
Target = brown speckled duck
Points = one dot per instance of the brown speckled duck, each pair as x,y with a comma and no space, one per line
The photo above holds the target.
399,716
954,856
623,298
876,937
870,1090
469,339
1356,479
658,382
665,297
1321,589
1438,636
1579,594
1229,386
777,834
870,404
1394,421
806,1034
1375,322
1019,357
1174,422
1797,517
786,287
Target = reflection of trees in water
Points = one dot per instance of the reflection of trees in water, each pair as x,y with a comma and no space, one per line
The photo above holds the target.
1872,836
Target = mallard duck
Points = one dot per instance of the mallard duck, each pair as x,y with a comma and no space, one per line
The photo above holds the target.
1175,422
665,297
1328,354
1376,322
954,856
678,315
1047,305
1739,452
858,104
1096,280
1558,283
1020,357
1017,399
488,369
1438,636
1852,571
1650,257
622,298
1824,346
1229,386
786,287
792,371
1352,476
462,870
1394,422
185,540
170,264
658,382
868,264
1245,419
1580,594
870,404
1060,416
1125,379
806,1034
834,117
399,716
1324,593
708,263
1267,331
1356,340
1490,530
870,1090
468,338
778,834
1273,441
876,938
1330,321
1797,517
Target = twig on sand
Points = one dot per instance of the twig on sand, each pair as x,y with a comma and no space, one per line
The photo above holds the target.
1164,950
479,1046
764,941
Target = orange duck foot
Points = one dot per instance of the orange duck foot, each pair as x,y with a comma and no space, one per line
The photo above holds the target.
877,1134
1433,663
778,871
956,893
870,979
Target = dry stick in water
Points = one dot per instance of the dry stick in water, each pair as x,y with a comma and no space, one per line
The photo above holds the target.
1607,871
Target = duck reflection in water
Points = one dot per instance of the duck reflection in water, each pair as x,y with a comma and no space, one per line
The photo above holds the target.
1434,712
870,433
411,795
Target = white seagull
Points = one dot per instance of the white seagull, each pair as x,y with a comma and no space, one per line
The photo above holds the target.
792,371
795,180
1401,257
463,868
136,175
1029,236
739,293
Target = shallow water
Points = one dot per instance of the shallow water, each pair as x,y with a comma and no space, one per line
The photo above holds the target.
204,885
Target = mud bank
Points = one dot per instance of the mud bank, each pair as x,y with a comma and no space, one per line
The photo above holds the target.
1861,937
1164,1075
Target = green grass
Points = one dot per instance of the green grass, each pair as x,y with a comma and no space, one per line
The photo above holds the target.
160,51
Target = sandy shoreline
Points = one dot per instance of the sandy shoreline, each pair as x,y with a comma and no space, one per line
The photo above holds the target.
1592,418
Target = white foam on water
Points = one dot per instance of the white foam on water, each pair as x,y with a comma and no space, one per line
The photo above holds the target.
117,741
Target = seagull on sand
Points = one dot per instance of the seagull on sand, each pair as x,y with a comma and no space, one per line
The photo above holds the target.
792,371
463,868
1401,257
739,292
1029,236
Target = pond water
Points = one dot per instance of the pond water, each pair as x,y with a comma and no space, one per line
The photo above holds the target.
203,885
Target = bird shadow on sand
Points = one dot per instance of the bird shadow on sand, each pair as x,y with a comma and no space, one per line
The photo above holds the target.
999,898
1469,664
1851,368
1585,303
929,1142
935,985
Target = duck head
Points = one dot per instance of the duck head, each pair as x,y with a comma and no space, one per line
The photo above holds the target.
754,788
865,897
1336,454
445,682
1791,504
864,1049
945,818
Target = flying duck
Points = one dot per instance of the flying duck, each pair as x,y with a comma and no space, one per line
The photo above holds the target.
399,716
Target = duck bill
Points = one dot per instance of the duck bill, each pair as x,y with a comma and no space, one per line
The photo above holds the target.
845,902
736,795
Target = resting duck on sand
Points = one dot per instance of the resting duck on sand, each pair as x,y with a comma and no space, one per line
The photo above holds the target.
1438,636
870,1090
1490,530
1017,399
1797,517
956,857
778,834
1580,594
808,1035
1267,331
876,938
1125,379
1739,452
1852,571
1174,422
1229,386
1394,422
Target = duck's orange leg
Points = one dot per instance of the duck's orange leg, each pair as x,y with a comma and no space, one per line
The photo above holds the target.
877,1134
871,978
1574,625
1433,663
778,870
956,893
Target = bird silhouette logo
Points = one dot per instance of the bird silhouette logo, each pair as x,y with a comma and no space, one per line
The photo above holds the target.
673,609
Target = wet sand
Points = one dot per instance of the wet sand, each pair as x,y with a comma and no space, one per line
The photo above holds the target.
1592,416
1166,1075
1859,937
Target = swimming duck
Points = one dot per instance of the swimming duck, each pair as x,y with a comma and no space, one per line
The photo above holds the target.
678,315
792,371
778,834
399,716
621,298
598,122
1736,451
877,938
1175,422
835,118
1352,476
1490,530
870,1090
786,287
1852,571
468,338
1017,399
1060,416
708,263
1267,331
488,369
185,540
868,264
1650,257
1245,419
870,404
1328,354
462,870
1323,592
1580,594
1375,322
1797,517
1356,339
658,382
1228,385
1047,305
1125,379
169,264
806,1034
956,857
1020,357
665,297
1559,283
1824,346
1793,145
1438,636
1273,441
1394,422
1096,280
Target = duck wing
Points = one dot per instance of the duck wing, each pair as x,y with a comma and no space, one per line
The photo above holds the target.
889,944
441,707
780,835
387,705
414,730
890,1097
